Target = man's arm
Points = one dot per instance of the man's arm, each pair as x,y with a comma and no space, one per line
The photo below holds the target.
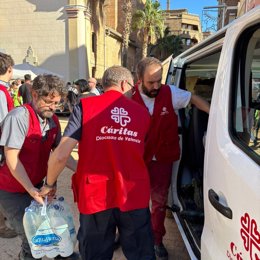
57,161
200,103
61,155
3,106
14,130
72,164
16,168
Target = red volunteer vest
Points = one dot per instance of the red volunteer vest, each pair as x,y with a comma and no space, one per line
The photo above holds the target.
9,100
111,172
34,154
162,140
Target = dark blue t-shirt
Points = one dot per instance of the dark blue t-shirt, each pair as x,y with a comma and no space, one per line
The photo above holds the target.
74,127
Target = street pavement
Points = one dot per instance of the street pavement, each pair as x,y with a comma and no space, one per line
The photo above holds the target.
10,247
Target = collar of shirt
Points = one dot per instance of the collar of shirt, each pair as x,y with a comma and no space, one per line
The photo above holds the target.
149,102
6,84
95,91
46,124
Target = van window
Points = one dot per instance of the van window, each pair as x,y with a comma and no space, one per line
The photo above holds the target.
200,75
246,103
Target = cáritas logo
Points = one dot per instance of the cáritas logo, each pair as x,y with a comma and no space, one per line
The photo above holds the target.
120,116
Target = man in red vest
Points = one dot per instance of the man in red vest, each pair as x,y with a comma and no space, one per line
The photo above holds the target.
162,143
111,184
29,134
6,104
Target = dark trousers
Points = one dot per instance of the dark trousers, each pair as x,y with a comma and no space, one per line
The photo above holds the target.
97,234
12,205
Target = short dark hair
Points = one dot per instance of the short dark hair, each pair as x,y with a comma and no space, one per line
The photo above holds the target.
6,61
144,63
27,77
48,84
83,85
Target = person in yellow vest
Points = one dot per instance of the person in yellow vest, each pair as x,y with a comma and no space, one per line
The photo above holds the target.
18,100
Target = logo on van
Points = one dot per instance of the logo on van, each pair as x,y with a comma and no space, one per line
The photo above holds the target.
120,116
251,236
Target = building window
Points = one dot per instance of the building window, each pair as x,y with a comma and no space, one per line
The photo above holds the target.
94,42
93,74
195,27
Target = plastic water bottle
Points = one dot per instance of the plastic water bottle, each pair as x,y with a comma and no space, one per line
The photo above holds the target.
61,209
69,218
50,232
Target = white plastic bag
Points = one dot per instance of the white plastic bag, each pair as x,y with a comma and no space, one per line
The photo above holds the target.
49,228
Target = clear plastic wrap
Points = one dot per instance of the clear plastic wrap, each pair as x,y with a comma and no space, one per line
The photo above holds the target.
50,228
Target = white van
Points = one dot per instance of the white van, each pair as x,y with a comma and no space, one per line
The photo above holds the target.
216,183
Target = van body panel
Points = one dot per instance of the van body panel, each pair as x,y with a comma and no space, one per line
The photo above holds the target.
233,175
230,217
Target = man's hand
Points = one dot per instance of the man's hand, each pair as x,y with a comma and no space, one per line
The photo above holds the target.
47,191
34,192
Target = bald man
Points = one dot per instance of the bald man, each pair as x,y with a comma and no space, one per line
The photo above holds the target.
92,82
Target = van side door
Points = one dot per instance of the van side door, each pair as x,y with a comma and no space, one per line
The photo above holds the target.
232,154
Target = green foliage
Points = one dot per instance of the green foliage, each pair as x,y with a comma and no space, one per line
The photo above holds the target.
166,46
149,23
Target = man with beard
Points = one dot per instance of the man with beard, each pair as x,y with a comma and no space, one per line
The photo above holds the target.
29,134
162,143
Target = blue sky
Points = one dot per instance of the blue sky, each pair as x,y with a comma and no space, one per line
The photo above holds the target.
193,6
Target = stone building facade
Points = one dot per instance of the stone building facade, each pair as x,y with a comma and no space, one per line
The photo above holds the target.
246,5
227,12
73,38
184,24
231,9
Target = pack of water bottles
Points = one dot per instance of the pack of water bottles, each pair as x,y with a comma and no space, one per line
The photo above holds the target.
50,228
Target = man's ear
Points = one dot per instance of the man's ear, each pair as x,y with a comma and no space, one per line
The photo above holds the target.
34,94
10,71
122,86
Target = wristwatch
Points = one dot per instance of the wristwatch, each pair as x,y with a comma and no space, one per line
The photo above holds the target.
54,185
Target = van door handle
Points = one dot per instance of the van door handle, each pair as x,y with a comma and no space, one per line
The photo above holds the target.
214,200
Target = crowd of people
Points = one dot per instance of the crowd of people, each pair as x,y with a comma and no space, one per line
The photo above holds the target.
133,126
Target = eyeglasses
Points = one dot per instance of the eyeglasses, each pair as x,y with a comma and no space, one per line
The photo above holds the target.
49,103
132,87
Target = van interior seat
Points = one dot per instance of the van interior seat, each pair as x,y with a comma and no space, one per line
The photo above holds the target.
194,153
196,131
198,124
